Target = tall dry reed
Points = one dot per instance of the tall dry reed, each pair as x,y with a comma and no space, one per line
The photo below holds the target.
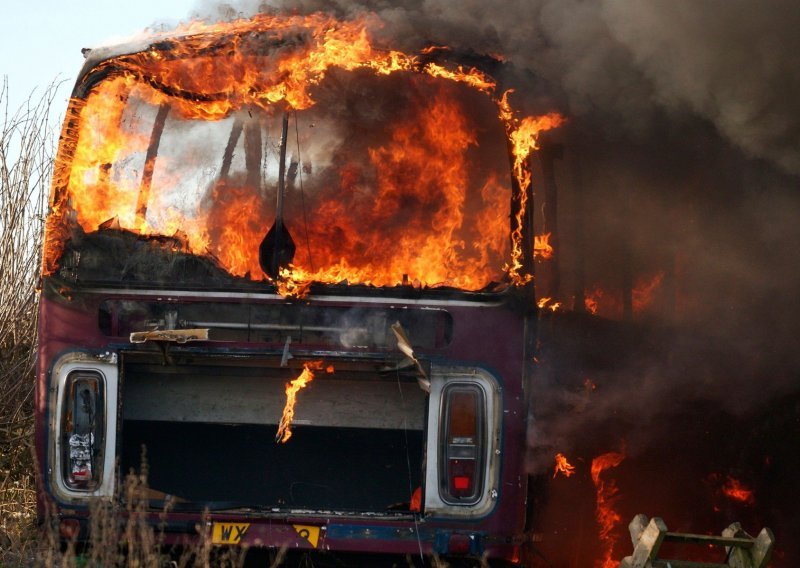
27,147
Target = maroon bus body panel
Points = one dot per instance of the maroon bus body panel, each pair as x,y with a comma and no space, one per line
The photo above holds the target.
486,336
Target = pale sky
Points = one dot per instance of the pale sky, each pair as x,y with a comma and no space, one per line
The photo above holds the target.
42,39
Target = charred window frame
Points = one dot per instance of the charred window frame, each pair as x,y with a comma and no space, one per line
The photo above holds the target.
462,443
83,430
72,269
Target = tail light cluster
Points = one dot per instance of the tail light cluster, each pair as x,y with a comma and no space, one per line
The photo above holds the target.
463,436
82,429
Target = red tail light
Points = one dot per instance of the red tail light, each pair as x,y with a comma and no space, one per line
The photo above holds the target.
82,430
462,443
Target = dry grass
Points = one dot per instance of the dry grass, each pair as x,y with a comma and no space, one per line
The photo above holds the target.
119,534
27,145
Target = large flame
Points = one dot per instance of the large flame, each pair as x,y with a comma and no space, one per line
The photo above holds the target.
260,68
523,136
607,516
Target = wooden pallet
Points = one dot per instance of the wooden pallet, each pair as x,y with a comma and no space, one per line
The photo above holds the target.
743,551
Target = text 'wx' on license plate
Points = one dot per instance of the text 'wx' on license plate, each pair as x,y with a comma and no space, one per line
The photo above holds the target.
228,533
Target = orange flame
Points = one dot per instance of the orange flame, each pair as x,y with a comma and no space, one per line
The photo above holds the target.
548,303
208,72
591,301
563,466
607,516
542,248
524,138
285,426
737,491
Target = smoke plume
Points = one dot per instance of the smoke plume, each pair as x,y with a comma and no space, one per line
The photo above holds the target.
731,63
681,158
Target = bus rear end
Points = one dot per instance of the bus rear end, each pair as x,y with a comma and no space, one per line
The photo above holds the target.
301,312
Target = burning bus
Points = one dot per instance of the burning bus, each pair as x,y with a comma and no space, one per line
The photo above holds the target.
290,272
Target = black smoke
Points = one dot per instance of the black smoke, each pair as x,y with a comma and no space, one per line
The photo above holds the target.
682,158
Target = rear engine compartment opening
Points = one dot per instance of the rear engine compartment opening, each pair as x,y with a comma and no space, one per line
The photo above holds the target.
207,428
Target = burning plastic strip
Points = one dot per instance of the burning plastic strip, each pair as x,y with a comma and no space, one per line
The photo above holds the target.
292,388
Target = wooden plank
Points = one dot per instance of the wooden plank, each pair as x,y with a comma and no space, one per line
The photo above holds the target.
735,530
176,335
649,543
738,557
743,550
762,550
636,527
706,540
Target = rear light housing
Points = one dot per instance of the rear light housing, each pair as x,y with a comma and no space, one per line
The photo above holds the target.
82,430
462,450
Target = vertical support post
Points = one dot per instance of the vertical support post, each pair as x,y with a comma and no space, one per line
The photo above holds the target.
227,156
548,153
150,164
252,152
526,228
